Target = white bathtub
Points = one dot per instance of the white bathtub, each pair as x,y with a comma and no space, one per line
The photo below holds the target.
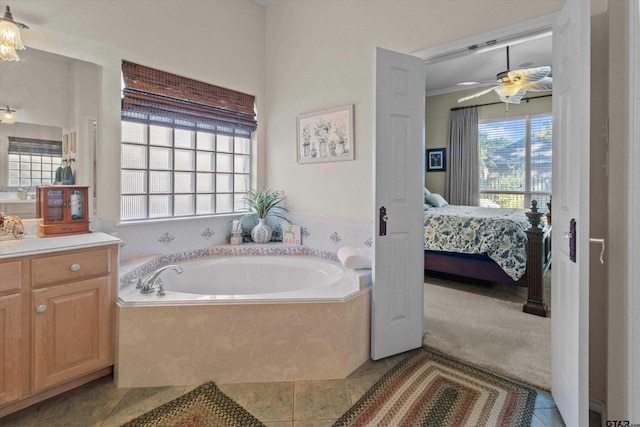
251,279
243,319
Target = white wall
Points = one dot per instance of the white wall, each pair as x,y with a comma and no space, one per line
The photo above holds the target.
218,42
320,54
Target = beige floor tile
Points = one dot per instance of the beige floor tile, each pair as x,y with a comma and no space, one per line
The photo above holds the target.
357,387
550,417
278,423
317,400
231,390
84,407
544,400
314,423
267,401
138,401
32,415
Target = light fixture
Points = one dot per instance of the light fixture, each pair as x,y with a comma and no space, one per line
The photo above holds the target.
10,40
7,117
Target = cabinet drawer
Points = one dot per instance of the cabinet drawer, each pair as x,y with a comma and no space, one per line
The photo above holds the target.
10,276
69,266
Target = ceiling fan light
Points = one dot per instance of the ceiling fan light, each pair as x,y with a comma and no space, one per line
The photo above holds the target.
10,40
8,53
7,117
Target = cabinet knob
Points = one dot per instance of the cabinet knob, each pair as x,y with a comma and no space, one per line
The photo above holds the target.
41,308
74,267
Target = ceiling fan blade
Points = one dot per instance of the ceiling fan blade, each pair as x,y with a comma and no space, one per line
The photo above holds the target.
528,75
475,95
540,86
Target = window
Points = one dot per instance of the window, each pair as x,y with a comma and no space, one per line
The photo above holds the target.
33,162
515,161
186,146
173,172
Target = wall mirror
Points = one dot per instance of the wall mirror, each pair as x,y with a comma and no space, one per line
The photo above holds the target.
55,98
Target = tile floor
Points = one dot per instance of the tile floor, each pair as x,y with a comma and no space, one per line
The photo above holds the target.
280,404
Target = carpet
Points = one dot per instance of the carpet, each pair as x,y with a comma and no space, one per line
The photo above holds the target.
431,389
205,406
484,325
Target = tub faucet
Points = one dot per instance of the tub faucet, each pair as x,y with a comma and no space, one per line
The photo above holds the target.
153,282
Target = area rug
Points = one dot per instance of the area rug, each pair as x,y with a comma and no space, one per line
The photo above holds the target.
205,406
432,389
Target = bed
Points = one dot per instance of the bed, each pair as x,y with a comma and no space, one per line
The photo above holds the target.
492,244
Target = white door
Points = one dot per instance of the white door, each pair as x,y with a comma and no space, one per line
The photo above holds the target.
570,287
398,268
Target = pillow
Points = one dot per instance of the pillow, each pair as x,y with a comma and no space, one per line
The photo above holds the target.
426,194
436,200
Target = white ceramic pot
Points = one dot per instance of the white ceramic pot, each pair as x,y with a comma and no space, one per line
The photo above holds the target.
261,233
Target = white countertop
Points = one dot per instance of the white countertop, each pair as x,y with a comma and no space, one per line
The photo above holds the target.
33,245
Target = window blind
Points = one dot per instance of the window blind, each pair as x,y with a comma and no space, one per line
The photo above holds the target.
19,145
155,95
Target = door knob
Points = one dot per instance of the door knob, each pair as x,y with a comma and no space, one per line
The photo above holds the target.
74,267
41,308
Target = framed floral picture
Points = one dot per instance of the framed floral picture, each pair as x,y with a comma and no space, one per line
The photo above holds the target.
437,160
326,136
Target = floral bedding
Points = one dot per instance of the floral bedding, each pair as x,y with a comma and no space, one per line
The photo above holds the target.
500,233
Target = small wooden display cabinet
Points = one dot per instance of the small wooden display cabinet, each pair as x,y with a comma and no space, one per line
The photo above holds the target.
64,210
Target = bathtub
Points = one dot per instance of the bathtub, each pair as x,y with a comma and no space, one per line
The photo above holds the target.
251,279
249,318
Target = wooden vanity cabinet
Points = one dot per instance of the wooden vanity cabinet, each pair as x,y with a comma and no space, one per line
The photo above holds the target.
14,332
63,336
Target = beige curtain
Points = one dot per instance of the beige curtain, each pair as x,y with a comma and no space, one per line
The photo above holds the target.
462,178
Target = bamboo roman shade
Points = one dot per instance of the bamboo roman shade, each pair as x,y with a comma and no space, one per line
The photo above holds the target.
148,92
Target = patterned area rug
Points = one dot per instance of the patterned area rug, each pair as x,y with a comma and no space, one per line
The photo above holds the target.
431,389
205,406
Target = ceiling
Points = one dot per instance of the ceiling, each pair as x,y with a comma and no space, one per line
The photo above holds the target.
482,65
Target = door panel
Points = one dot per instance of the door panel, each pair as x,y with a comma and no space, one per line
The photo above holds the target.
398,272
570,288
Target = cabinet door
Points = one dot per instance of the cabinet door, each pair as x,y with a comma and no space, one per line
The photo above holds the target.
11,345
72,331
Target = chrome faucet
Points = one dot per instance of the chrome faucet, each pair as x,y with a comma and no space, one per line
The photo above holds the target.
153,282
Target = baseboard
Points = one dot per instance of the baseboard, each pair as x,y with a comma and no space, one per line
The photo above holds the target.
598,406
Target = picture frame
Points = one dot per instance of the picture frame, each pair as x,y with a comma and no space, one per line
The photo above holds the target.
436,160
326,135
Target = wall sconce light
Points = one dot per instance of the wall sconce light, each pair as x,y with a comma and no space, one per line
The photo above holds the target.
10,40
7,117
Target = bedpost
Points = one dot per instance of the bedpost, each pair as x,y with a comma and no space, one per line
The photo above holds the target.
535,264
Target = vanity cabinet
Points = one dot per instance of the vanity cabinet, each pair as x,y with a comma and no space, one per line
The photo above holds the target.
13,333
56,322
64,210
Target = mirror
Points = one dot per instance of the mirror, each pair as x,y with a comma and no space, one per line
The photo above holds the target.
55,98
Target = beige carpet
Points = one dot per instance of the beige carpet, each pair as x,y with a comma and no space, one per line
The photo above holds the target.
484,325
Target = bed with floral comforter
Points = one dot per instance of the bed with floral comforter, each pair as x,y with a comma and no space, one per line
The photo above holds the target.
499,233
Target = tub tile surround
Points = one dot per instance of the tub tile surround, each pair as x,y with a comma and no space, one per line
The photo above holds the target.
167,237
238,343
231,343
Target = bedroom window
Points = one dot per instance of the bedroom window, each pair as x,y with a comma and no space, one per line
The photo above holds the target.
515,161
185,146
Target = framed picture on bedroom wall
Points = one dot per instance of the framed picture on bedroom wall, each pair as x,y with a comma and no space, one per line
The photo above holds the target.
436,160
326,136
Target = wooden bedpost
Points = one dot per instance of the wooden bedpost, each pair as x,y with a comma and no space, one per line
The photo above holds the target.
535,264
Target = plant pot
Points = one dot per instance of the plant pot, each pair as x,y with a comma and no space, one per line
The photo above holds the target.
261,233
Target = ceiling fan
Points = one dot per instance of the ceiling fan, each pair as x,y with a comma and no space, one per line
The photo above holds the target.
512,85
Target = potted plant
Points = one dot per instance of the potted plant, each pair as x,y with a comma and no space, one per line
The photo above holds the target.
261,204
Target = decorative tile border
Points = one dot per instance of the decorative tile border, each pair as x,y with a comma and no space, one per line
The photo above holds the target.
150,266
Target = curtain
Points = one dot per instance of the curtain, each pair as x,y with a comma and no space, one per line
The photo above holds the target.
462,179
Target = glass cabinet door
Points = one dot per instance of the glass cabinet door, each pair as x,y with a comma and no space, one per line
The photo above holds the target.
76,204
55,205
